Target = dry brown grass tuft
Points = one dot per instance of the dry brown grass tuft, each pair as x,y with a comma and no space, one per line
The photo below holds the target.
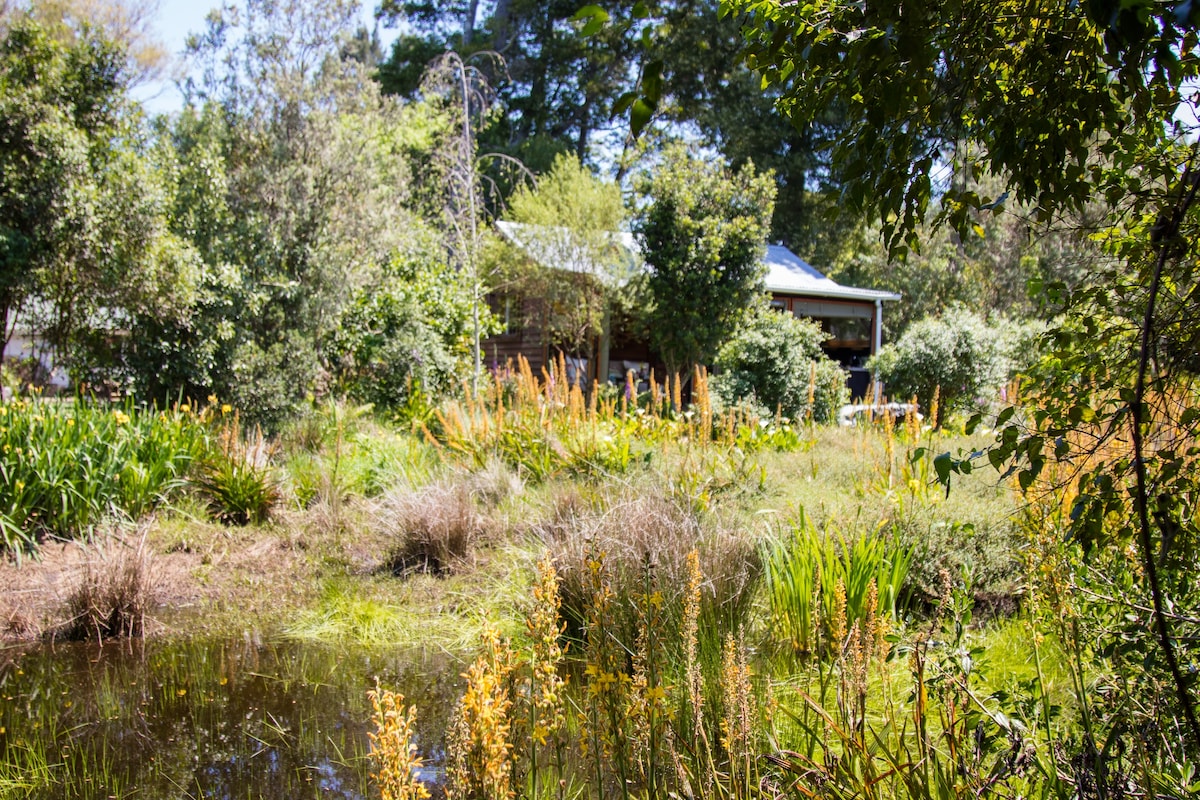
116,589
495,483
637,528
435,528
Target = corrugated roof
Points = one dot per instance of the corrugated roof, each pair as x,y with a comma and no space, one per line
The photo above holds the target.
786,273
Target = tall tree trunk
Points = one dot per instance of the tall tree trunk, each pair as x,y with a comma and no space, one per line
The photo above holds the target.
500,20
469,22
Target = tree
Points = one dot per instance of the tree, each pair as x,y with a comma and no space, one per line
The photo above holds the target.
702,230
558,89
293,181
83,228
1069,104
128,24
569,221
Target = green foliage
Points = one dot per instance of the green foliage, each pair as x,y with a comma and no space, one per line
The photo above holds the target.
83,215
838,573
571,261
237,482
937,79
409,331
701,233
1067,105
66,466
296,190
959,355
773,360
998,268
389,350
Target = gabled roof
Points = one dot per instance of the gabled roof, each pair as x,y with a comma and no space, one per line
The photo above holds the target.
786,273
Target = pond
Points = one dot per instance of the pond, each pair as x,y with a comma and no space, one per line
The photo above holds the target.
207,718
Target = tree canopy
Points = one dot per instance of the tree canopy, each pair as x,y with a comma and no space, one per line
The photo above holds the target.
702,231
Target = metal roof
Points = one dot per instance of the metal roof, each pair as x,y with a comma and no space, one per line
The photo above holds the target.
786,273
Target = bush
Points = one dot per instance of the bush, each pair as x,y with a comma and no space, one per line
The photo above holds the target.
961,353
770,361
411,333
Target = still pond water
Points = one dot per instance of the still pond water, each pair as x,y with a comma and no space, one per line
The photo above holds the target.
206,718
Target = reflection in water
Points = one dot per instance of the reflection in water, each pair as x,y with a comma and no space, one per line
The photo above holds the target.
206,719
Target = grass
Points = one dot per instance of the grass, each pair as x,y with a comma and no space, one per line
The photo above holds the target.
856,668
115,592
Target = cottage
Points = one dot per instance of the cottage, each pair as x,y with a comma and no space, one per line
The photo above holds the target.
852,317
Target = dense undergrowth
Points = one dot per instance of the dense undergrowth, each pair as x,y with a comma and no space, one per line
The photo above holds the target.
664,600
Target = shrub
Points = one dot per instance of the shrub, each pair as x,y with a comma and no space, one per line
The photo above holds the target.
114,593
770,361
960,352
435,528
267,384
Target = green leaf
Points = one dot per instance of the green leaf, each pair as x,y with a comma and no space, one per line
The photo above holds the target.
623,103
652,82
593,17
639,116
944,465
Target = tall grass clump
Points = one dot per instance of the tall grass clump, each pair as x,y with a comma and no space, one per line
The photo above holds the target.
435,529
633,528
235,479
646,719
68,465
114,592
